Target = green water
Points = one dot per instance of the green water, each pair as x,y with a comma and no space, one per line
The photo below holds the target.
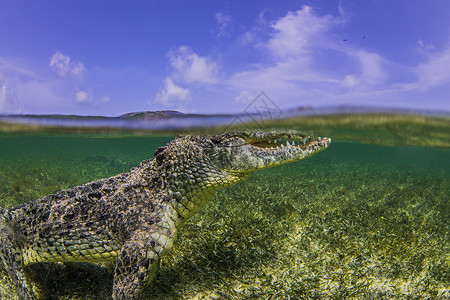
32,166
358,220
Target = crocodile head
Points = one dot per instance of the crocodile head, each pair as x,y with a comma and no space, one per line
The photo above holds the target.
246,152
193,167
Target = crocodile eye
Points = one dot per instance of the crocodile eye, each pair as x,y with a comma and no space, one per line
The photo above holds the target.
216,140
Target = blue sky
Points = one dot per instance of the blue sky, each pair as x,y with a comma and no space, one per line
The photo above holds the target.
112,57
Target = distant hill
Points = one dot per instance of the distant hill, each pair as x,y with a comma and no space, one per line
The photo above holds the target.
156,115
152,115
167,114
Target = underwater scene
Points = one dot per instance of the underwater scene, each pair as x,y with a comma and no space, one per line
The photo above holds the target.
367,218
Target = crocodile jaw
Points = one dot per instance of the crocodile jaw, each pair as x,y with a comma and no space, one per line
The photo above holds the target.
249,152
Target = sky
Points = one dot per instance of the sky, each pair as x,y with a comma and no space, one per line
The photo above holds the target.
112,57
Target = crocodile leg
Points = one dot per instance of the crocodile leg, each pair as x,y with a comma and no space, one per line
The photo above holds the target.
11,259
138,262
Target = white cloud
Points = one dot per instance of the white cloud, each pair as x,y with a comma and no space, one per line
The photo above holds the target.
3,92
84,96
247,96
19,85
189,69
192,68
370,73
423,48
27,90
172,94
10,67
297,33
253,36
63,65
105,99
39,96
9,97
224,23
435,71
351,81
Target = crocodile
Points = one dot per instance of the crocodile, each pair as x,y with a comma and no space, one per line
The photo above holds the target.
132,219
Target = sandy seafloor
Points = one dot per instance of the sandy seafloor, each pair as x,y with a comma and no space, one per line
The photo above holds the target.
360,220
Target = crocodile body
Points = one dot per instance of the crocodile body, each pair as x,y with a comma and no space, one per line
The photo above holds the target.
133,218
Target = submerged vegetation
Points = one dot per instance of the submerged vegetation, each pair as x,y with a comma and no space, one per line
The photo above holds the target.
355,221
320,228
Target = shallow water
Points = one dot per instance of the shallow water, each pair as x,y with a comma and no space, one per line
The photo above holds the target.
367,218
